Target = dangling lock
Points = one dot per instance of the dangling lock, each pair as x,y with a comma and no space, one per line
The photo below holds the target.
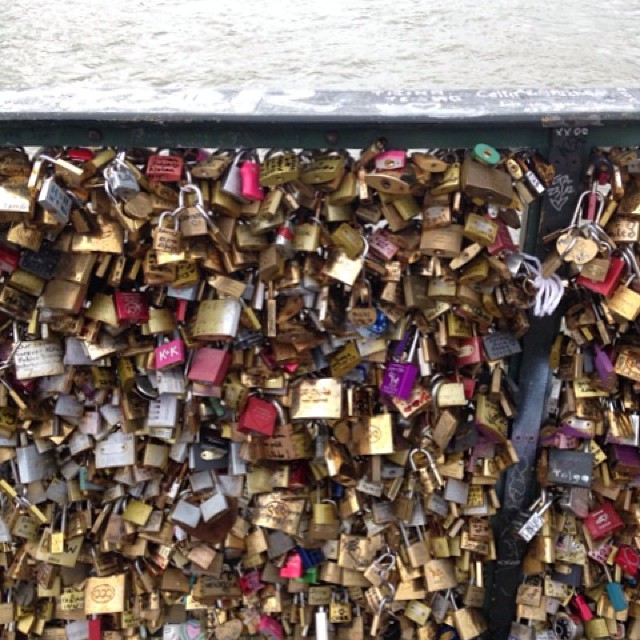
469,623
231,184
535,522
325,524
417,552
194,220
284,239
168,239
260,416
340,610
185,512
250,178
399,377
625,301
164,168
325,169
423,472
341,267
615,592
370,320
169,352
55,200
377,618
279,166
120,181
580,242
379,571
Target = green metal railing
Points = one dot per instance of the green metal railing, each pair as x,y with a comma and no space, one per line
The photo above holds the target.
562,125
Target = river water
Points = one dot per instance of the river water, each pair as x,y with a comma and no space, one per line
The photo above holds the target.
320,44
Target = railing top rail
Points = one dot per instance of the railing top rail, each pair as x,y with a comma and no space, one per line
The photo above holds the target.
547,107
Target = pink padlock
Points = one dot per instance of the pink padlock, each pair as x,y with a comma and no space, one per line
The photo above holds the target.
131,306
250,178
292,567
391,159
270,627
380,243
169,354
209,365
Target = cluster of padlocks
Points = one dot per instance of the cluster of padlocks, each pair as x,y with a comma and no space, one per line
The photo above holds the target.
581,569
269,393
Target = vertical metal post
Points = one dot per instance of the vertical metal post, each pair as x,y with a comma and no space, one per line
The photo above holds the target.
566,152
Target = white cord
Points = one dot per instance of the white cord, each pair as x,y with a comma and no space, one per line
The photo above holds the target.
549,290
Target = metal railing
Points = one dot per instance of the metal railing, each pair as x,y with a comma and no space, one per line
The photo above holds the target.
562,124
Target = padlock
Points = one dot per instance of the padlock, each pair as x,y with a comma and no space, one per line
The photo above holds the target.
169,353
259,416
209,365
55,200
120,181
164,168
399,377
167,239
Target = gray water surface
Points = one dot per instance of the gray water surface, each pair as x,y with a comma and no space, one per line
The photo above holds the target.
320,44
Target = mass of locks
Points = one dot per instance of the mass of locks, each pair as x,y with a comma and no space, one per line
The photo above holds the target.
268,394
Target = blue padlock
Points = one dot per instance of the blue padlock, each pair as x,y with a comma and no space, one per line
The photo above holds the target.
377,327
615,593
310,557
85,483
337,490
447,632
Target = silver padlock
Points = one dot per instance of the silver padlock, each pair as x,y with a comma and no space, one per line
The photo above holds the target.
535,522
213,506
55,200
32,465
456,491
186,513
201,481
120,182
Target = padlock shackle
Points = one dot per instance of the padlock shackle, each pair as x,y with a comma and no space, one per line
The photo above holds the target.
190,188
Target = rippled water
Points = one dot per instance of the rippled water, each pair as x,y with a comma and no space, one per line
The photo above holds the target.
323,44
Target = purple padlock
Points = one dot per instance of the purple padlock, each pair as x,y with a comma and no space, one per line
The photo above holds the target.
399,376
604,368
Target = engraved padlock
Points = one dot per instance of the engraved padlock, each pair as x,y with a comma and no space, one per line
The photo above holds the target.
168,239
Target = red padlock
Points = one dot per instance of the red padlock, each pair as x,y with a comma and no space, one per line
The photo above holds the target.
94,628
9,258
602,521
82,154
628,559
163,168
469,351
131,306
611,280
258,416
503,240
209,365
299,475
249,582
